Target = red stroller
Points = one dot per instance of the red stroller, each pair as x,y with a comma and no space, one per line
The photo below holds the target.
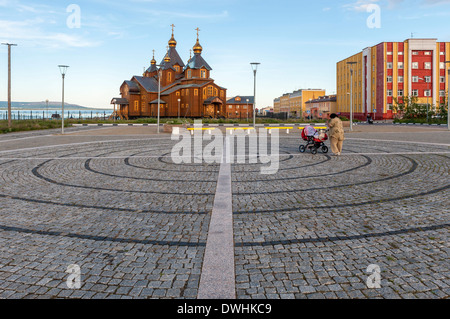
314,142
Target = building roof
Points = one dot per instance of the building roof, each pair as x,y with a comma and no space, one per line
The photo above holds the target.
119,100
132,86
149,84
174,59
326,98
156,102
241,100
179,87
152,68
197,62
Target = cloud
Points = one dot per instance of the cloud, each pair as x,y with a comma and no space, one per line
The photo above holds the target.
29,31
359,5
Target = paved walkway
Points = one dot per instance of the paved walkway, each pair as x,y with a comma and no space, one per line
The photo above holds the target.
112,201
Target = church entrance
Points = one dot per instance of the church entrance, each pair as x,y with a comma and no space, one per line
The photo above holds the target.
213,108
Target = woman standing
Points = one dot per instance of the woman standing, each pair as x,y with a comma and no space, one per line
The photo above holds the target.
336,134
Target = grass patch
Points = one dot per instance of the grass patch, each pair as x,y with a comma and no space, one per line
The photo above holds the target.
31,125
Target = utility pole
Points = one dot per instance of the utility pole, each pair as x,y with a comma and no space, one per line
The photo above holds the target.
9,82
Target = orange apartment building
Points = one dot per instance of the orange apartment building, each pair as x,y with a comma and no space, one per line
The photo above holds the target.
295,103
389,71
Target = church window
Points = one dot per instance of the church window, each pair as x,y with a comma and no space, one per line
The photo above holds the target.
203,74
189,74
136,105
169,76
196,92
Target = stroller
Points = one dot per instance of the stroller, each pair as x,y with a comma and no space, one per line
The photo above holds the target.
314,141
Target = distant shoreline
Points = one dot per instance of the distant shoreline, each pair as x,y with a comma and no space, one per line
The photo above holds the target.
42,106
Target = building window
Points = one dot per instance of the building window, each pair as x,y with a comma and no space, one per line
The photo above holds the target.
400,79
196,92
442,53
169,76
400,53
389,65
442,65
203,74
427,92
389,53
427,53
389,92
427,65
415,53
442,79
415,65
389,79
442,93
136,105
415,79
415,92
428,79
177,68
400,65
189,74
400,92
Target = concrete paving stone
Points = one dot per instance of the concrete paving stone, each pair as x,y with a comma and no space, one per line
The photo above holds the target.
127,219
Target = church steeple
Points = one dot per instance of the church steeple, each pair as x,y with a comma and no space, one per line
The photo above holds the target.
153,62
172,41
167,57
197,47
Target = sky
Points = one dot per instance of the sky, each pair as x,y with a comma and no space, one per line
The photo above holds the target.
105,42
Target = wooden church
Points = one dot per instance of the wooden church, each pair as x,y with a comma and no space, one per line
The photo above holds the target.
179,89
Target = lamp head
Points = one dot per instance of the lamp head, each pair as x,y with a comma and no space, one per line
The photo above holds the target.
255,66
63,69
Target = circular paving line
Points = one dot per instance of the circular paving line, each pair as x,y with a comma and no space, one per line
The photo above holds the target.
413,167
36,173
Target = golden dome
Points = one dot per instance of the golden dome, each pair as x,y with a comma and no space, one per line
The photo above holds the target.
172,42
167,58
198,48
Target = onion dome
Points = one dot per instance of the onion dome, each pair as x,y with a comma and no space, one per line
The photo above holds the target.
172,42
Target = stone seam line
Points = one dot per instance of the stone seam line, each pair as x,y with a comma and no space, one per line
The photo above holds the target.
218,273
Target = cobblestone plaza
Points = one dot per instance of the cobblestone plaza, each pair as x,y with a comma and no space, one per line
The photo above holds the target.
112,201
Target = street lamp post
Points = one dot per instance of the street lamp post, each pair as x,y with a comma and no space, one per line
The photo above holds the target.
254,68
351,93
9,82
159,94
247,110
63,69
